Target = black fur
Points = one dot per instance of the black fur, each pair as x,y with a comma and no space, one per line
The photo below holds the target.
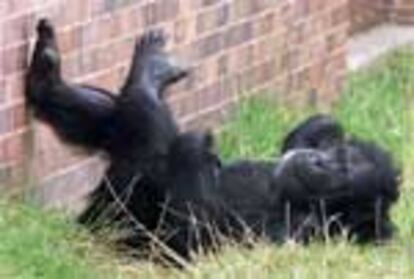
317,131
308,193
173,185
80,115
372,180
348,187
146,129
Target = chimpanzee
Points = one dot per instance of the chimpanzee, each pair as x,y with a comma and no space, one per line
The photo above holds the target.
347,187
307,193
173,185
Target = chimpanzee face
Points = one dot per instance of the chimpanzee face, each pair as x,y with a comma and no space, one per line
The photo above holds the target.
343,169
309,173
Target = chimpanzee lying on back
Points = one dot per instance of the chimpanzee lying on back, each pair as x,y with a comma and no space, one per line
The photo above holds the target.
348,187
174,186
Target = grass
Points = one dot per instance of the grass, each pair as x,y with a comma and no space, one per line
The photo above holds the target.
39,244
374,105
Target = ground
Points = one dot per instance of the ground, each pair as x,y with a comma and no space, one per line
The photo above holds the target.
375,105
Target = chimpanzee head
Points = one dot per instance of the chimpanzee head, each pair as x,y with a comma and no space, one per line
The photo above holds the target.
354,181
307,174
318,131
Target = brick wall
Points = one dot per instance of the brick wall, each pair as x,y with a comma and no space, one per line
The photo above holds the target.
403,11
237,47
367,13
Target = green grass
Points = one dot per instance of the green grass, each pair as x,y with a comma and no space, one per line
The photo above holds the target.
39,244
375,105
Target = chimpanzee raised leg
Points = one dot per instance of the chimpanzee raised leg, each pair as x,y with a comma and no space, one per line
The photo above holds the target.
80,115
146,129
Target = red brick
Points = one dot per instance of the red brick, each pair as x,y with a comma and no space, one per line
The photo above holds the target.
6,121
74,11
12,149
340,15
206,3
301,8
366,13
69,40
19,116
209,45
403,13
105,80
248,8
181,31
5,176
239,34
58,191
16,29
266,24
14,87
223,65
3,92
212,18
70,66
16,7
15,58
316,6
158,11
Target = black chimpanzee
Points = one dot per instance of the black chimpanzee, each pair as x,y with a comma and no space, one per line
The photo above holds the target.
174,186
348,187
